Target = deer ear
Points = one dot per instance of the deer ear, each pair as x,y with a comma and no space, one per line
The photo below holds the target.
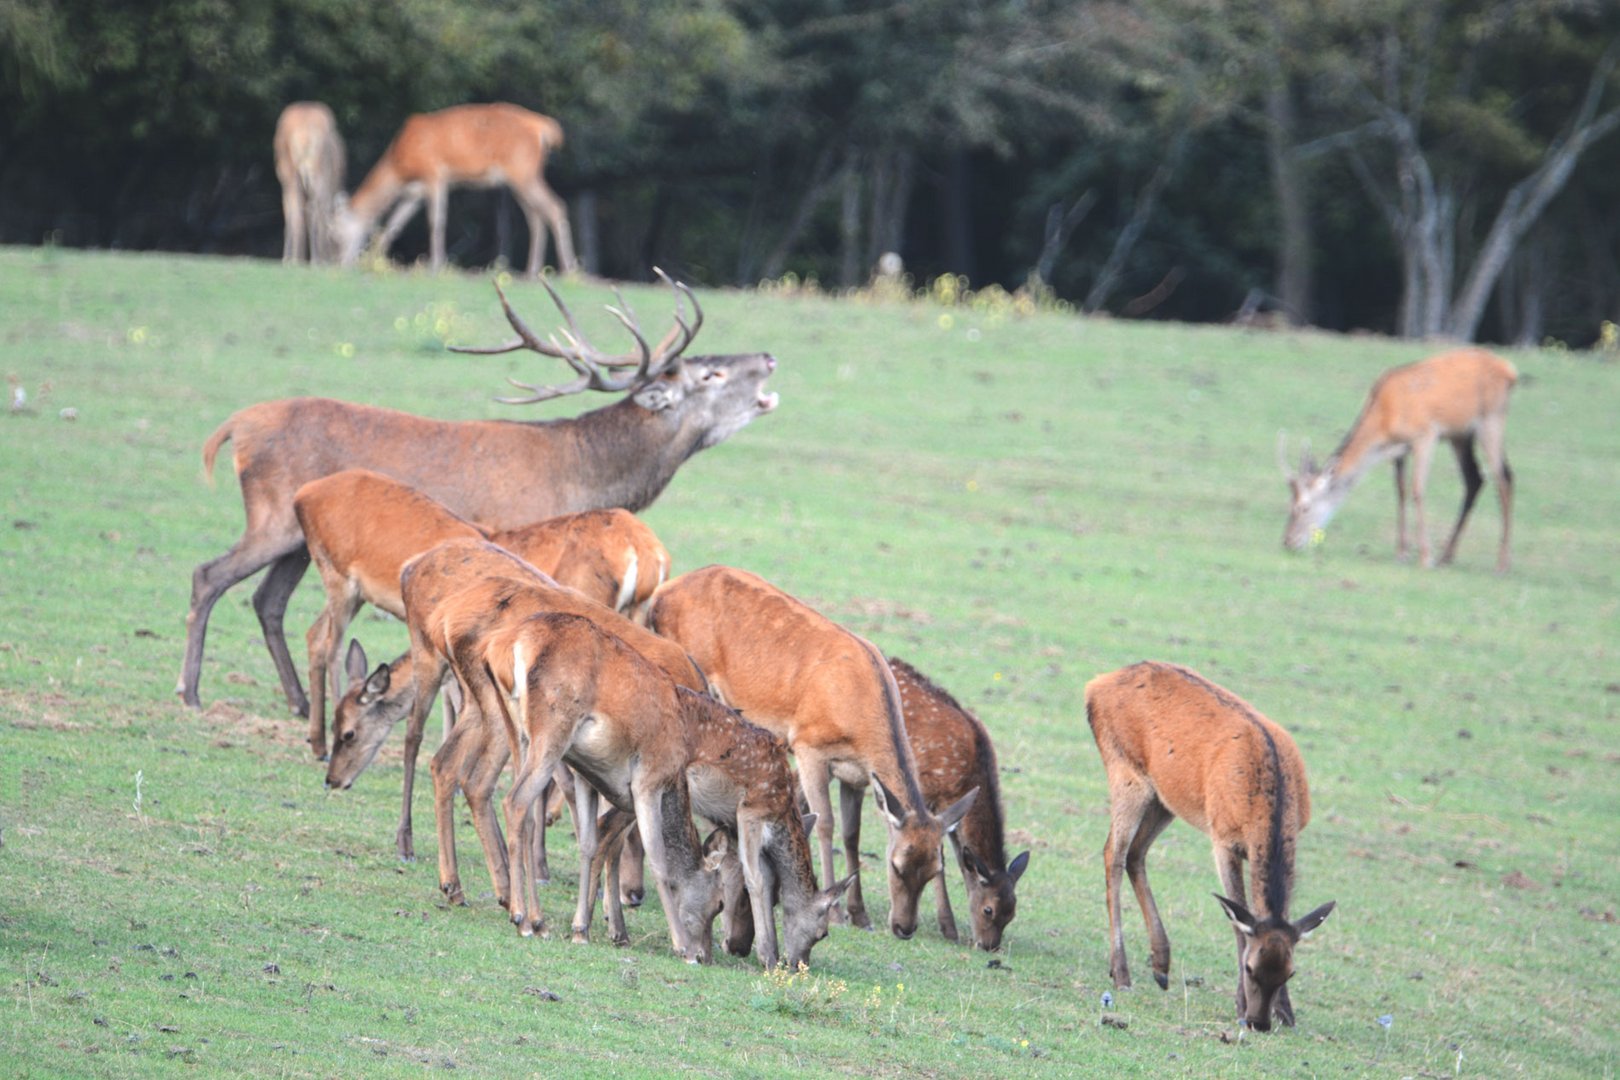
1314,919
810,823
657,395
976,864
888,805
830,896
1239,915
953,815
354,665
1016,868
377,685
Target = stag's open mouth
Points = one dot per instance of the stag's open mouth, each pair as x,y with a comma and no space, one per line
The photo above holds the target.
768,402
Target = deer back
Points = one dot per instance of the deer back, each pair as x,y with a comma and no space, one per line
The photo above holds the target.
609,555
365,527
1212,759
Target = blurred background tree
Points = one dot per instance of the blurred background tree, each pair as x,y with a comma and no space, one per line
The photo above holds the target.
1417,167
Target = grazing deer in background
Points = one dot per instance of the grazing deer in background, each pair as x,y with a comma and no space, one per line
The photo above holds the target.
1176,745
955,756
740,780
830,694
362,527
1460,396
310,166
500,474
480,145
463,574
569,691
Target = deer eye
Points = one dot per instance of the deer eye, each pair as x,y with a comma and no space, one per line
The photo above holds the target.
348,736
714,373
989,912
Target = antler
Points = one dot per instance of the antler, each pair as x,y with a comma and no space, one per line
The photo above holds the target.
596,370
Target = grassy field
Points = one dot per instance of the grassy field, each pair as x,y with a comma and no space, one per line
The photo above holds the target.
1013,504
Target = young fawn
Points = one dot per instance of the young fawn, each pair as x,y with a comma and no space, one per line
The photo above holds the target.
1176,745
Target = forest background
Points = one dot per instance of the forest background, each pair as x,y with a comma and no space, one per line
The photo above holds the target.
1412,167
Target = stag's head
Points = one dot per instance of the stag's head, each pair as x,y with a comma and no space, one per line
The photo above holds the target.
914,851
366,714
708,398
1314,497
991,897
1268,958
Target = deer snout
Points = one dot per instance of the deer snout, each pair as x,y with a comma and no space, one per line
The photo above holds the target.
903,932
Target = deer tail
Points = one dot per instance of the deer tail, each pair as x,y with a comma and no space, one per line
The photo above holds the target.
220,437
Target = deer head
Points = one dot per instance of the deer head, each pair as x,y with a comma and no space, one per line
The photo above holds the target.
914,852
366,714
1268,959
1314,496
991,896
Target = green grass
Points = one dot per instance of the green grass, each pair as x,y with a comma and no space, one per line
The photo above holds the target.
1014,505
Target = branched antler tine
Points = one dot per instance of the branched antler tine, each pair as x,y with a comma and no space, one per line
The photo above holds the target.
545,393
526,337
641,344
667,350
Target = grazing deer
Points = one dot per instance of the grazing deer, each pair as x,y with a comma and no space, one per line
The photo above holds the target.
830,694
465,574
739,780
955,756
480,145
1176,745
1460,396
570,691
497,473
362,527
310,166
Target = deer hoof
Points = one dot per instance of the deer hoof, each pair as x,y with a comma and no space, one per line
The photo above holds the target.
1163,979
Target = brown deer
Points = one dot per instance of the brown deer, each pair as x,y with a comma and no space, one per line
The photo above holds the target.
830,694
569,691
310,166
1176,745
361,527
480,145
500,474
461,575
1460,396
955,756
740,780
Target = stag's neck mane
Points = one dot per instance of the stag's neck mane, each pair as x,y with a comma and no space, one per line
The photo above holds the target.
622,452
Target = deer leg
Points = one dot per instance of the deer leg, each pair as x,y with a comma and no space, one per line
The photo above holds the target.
398,220
324,638
755,880
1229,865
413,746
585,824
947,917
1128,801
536,762
556,215
632,870
437,207
849,820
447,769
1463,445
1492,435
612,829
814,777
270,604
261,545
1422,458
488,754
650,818
1154,820
292,213
1400,507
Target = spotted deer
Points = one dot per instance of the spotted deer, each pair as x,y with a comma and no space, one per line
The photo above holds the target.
1460,396
1174,745
470,571
361,527
831,696
740,781
955,756
498,473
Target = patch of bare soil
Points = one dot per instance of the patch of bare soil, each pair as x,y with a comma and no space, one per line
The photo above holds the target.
33,712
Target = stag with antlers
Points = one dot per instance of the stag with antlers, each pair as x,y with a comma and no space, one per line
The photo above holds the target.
500,474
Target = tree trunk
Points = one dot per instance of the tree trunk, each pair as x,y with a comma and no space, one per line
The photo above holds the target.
849,221
1146,202
589,233
813,195
1294,268
958,215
